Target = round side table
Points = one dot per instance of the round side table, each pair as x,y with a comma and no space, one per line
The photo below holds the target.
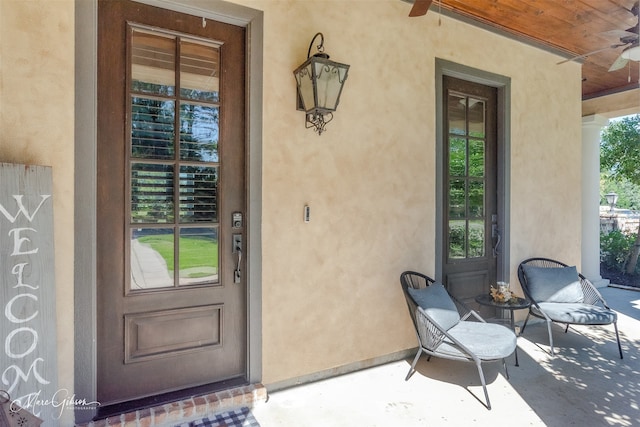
519,304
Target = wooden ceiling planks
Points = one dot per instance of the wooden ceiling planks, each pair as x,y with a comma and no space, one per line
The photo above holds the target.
572,26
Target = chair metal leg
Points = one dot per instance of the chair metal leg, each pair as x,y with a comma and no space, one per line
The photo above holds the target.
566,329
550,337
615,325
484,385
413,365
524,325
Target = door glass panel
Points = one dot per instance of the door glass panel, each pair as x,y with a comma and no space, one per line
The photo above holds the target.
476,199
476,158
457,199
199,132
151,193
457,239
152,252
457,156
476,118
198,194
198,255
152,128
457,114
476,238
153,62
199,71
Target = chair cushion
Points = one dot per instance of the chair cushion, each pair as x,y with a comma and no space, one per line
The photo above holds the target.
577,313
485,340
555,284
437,303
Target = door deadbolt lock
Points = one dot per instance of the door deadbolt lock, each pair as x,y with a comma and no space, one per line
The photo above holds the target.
236,220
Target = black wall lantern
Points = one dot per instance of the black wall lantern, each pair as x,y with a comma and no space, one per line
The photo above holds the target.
320,83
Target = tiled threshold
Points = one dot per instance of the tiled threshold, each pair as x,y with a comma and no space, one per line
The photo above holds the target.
193,408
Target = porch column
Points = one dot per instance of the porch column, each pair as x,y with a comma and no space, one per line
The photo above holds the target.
591,128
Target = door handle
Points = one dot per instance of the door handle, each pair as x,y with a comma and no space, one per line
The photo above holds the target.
495,233
237,249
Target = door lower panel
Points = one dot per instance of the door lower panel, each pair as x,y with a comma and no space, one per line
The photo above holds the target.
169,333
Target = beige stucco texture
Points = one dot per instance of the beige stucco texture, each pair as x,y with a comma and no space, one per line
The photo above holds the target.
331,293
330,288
37,127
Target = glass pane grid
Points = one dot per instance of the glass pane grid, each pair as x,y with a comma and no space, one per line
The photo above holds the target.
466,157
173,244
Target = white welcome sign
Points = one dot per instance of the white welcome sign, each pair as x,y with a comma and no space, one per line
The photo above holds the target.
28,362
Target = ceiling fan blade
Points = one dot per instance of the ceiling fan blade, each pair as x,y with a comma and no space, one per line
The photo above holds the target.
619,63
584,55
619,33
420,7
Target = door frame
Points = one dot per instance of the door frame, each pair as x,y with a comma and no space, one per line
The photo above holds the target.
503,125
85,167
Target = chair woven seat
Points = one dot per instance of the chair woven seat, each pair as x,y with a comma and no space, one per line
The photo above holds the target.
560,294
488,341
576,313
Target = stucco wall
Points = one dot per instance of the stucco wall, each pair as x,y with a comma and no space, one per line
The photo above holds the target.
330,287
36,127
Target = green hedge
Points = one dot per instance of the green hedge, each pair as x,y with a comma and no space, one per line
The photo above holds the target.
615,248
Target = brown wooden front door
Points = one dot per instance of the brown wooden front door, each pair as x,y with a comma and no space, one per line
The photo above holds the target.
470,187
171,201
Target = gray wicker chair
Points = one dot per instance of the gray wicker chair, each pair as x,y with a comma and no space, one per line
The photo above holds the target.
560,294
444,328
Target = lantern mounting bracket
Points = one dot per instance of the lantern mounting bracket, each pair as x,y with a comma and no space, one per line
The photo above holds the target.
320,47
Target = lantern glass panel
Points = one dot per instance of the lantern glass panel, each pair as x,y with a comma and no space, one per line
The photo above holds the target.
330,77
305,87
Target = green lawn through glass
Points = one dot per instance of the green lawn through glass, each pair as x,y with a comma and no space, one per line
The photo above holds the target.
195,252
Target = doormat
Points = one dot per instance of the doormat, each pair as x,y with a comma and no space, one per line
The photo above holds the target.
239,418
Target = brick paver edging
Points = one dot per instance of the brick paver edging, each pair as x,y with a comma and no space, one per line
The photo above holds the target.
187,410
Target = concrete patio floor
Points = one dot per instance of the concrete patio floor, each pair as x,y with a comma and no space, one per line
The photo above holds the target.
585,384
